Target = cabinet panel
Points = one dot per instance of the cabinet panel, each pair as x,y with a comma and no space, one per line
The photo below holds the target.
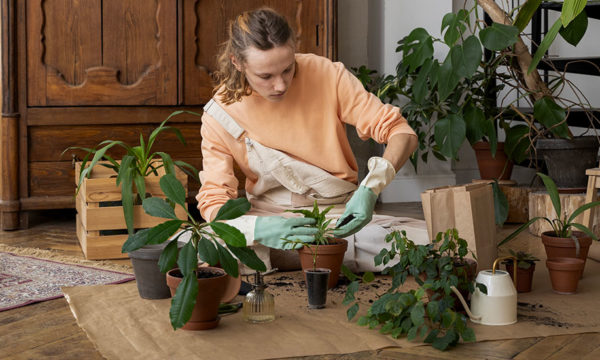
312,21
110,52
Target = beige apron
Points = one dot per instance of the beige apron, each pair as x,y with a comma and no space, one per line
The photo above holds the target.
284,183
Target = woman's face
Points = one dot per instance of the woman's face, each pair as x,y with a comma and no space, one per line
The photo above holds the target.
269,72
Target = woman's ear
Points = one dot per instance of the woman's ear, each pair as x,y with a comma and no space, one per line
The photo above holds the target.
236,63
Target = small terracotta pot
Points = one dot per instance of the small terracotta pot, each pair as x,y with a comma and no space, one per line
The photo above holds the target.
330,256
564,274
491,167
210,293
565,247
524,277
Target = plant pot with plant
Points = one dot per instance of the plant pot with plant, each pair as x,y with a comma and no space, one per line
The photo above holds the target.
196,289
137,177
570,243
325,251
525,269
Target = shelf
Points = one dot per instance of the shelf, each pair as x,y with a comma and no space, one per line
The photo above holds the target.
592,8
581,65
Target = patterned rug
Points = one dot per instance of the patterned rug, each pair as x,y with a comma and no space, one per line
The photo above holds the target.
39,276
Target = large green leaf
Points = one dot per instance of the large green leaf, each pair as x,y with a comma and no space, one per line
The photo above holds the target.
162,232
231,235
158,207
135,241
499,36
455,24
168,257
570,10
188,259
544,45
207,251
552,192
516,144
184,301
466,57
167,162
549,113
500,204
450,133
419,87
232,209
418,46
576,29
248,257
526,13
475,123
228,263
447,78
173,189
127,196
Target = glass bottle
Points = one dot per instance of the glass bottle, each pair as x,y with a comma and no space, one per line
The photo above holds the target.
259,305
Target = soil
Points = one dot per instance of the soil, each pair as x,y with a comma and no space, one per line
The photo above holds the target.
539,315
203,274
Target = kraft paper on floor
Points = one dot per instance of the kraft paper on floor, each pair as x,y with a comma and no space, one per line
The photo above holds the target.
123,326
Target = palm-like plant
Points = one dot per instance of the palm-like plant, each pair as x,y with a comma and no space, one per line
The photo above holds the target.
139,162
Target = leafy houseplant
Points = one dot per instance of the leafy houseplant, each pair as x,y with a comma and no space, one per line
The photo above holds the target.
436,267
525,268
203,244
135,166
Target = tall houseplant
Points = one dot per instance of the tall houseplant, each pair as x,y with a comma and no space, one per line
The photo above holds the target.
204,243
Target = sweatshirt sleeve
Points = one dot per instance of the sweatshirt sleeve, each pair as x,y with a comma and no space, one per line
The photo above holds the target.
362,109
219,183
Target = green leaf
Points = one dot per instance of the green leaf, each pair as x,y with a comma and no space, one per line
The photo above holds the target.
526,13
231,235
585,229
352,311
468,335
549,114
167,162
412,333
184,300
362,321
135,241
208,252
419,87
350,291
348,273
576,29
519,230
127,196
552,192
173,189
248,257
228,263
475,123
368,277
158,207
516,144
481,287
188,260
450,133
452,21
168,257
499,36
500,204
544,45
161,232
447,79
570,10
466,57
581,209
232,209
417,314
442,343
418,47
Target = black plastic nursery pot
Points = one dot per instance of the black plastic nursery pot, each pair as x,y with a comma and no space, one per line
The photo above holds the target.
317,285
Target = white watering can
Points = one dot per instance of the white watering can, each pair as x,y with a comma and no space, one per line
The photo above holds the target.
499,305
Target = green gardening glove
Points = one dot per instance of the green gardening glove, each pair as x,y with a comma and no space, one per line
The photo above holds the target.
359,210
273,231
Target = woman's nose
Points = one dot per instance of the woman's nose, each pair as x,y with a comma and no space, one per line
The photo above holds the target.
279,84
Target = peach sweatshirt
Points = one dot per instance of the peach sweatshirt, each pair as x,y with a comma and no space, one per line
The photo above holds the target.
307,124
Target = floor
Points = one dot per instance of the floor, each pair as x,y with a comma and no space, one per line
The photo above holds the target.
48,329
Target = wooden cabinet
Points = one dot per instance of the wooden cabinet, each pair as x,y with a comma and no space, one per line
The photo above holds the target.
78,72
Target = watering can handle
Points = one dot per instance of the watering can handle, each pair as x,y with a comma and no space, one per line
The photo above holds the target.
464,303
515,264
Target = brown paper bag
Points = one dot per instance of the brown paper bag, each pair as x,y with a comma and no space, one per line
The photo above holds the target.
468,208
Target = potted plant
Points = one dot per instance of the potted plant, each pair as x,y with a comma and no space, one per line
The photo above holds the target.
563,241
197,291
436,267
525,269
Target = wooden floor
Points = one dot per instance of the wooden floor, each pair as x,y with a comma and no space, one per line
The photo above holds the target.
48,330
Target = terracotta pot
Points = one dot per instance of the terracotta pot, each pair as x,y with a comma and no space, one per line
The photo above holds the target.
330,256
565,247
491,167
524,277
564,274
210,293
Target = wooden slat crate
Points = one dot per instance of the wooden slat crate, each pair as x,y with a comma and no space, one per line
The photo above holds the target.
101,227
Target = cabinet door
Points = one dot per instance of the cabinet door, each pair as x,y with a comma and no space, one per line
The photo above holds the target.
101,52
205,24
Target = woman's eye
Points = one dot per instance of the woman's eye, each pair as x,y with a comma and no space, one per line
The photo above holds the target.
265,77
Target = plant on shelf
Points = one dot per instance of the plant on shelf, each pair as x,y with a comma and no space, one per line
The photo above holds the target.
436,268
204,243
138,163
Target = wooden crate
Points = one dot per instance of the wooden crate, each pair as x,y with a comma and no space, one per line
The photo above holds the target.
101,227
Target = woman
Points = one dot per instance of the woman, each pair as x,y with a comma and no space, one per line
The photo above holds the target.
280,116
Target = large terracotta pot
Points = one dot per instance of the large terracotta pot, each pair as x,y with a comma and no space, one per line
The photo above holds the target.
491,167
212,283
565,247
565,274
330,256
524,277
